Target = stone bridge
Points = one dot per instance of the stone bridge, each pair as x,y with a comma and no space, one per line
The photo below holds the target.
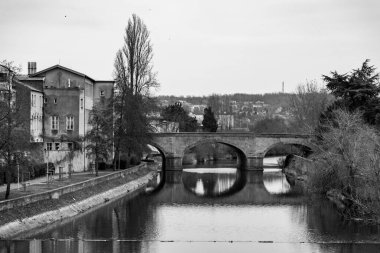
251,148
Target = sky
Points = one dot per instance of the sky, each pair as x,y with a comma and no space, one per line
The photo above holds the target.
201,47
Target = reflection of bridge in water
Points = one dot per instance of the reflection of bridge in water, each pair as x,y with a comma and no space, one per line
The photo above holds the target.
247,189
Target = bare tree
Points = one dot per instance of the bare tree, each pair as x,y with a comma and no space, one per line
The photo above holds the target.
133,66
347,159
134,81
98,138
307,105
214,101
14,139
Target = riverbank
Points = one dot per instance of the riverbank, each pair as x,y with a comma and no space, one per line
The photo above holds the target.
359,204
19,220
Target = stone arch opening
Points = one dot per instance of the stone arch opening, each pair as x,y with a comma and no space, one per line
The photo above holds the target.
158,182
231,152
152,156
286,151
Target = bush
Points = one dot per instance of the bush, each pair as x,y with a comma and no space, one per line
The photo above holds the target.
40,169
348,160
272,125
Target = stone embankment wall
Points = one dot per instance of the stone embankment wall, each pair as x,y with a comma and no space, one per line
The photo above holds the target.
55,193
20,226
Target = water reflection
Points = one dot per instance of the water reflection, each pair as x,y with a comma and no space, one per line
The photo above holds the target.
179,214
275,182
120,246
206,182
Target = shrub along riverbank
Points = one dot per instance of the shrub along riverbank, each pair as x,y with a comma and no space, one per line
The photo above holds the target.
345,167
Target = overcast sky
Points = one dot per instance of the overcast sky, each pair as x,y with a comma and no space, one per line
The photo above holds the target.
200,46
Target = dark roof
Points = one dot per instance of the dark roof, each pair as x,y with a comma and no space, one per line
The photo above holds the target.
61,67
105,81
28,86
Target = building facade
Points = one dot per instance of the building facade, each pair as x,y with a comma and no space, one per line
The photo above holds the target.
27,107
69,96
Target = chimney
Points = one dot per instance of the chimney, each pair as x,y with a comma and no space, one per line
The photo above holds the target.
32,68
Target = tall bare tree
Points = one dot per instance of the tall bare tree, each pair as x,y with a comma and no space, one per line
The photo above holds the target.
135,80
214,101
307,104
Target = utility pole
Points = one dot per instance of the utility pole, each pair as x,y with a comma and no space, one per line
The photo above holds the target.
283,87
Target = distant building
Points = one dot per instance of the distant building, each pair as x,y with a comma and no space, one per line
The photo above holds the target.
198,117
198,109
163,126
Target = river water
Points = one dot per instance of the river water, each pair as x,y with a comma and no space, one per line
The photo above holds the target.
207,210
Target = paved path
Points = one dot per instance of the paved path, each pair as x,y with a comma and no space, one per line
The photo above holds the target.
39,184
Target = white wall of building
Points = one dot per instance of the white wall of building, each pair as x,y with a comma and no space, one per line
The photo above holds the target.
36,116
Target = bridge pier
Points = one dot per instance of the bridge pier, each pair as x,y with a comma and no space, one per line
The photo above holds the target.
255,163
173,163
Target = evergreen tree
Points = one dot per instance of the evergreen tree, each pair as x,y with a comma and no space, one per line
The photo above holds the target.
176,113
209,122
357,91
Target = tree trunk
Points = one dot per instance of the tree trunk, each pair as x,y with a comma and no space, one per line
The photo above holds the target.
8,182
114,162
129,158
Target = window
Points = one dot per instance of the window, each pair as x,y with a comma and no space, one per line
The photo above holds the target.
49,146
69,123
102,93
55,100
54,123
3,77
33,100
70,146
45,100
57,145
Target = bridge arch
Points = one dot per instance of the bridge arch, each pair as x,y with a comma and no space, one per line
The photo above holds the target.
289,149
164,154
240,153
304,146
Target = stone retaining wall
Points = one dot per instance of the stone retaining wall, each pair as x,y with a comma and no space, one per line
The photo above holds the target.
46,219
56,193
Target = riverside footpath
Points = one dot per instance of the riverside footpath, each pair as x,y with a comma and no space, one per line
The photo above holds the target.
42,203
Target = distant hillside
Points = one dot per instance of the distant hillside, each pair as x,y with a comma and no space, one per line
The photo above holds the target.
273,99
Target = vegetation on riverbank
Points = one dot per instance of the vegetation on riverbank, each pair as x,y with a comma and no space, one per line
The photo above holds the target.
346,166
346,163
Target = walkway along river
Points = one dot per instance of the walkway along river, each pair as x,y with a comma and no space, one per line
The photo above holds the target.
207,210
